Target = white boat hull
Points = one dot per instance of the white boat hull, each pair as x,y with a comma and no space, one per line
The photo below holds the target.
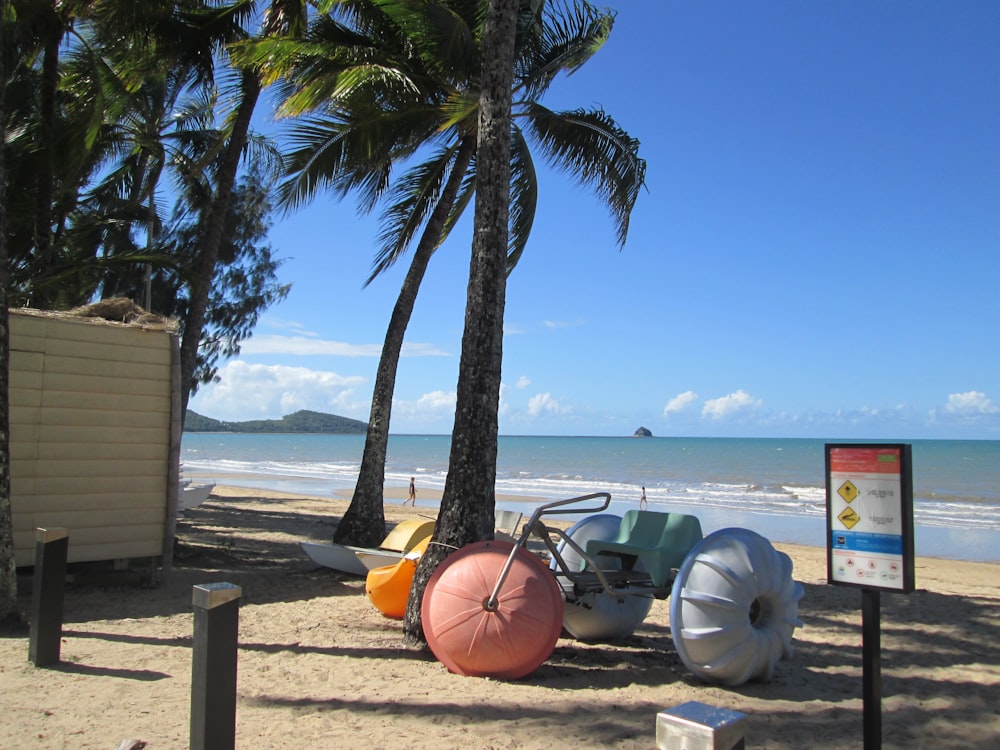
340,557
192,495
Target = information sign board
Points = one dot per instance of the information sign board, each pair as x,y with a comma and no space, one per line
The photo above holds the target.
869,516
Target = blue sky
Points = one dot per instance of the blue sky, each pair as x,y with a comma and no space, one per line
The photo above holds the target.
815,253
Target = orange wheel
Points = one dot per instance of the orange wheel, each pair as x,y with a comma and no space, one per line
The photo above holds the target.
509,641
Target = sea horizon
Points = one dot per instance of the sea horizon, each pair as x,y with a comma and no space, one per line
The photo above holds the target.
775,486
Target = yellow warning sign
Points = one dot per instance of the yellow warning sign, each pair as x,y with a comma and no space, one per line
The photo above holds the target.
849,518
848,491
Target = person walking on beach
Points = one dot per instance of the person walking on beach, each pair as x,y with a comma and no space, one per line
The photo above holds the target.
412,499
642,500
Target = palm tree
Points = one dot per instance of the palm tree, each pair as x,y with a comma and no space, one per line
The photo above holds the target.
283,17
156,130
399,80
8,571
170,47
53,159
156,106
38,139
467,504
101,71
49,26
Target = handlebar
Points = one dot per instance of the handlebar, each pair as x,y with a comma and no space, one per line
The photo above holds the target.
540,511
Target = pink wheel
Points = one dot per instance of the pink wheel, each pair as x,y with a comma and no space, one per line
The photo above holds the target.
510,641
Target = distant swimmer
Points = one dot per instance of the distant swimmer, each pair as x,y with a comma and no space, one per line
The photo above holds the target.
642,500
412,499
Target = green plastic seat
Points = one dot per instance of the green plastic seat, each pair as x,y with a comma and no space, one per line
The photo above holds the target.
660,540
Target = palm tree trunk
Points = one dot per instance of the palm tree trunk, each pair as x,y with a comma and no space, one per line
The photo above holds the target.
281,14
8,571
469,497
363,524
213,224
46,146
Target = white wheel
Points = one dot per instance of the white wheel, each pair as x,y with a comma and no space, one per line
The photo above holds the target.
597,615
603,526
734,608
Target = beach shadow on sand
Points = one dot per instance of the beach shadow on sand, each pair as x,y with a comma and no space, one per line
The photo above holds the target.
816,693
218,541
929,641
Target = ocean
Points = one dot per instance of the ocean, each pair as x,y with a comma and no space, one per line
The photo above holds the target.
775,487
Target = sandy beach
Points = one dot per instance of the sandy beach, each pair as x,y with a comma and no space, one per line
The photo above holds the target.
320,667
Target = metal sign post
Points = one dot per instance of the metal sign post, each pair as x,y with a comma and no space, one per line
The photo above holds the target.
869,536
871,657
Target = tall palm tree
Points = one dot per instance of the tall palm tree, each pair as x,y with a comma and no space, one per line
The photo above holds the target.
282,18
86,71
49,26
8,571
157,131
139,65
51,116
397,81
38,138
467,504
173,45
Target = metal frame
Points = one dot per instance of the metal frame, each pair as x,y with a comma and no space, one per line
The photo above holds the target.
592,578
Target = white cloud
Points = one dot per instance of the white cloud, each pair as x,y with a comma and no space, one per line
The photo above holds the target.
522,382
301,345
284,324
247,391
422,350
554,324
680,402
726,406
305,346
431,412
437,401
970,403
542,403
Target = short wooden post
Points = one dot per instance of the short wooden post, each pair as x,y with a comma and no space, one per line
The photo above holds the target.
213,672
47,592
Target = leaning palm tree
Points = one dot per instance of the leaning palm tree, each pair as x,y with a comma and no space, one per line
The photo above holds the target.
282,17
387,83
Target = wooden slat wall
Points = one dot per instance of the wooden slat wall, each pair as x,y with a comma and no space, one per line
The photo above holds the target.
91,404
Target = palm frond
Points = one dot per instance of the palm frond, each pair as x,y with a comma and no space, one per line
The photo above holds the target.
466,193
414,196
460,111
349,151
285,17
444,36
591,146
523,197
369,82
570,34
327,47
351,143
321,158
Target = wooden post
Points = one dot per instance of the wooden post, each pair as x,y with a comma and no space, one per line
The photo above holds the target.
48,590
213,673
